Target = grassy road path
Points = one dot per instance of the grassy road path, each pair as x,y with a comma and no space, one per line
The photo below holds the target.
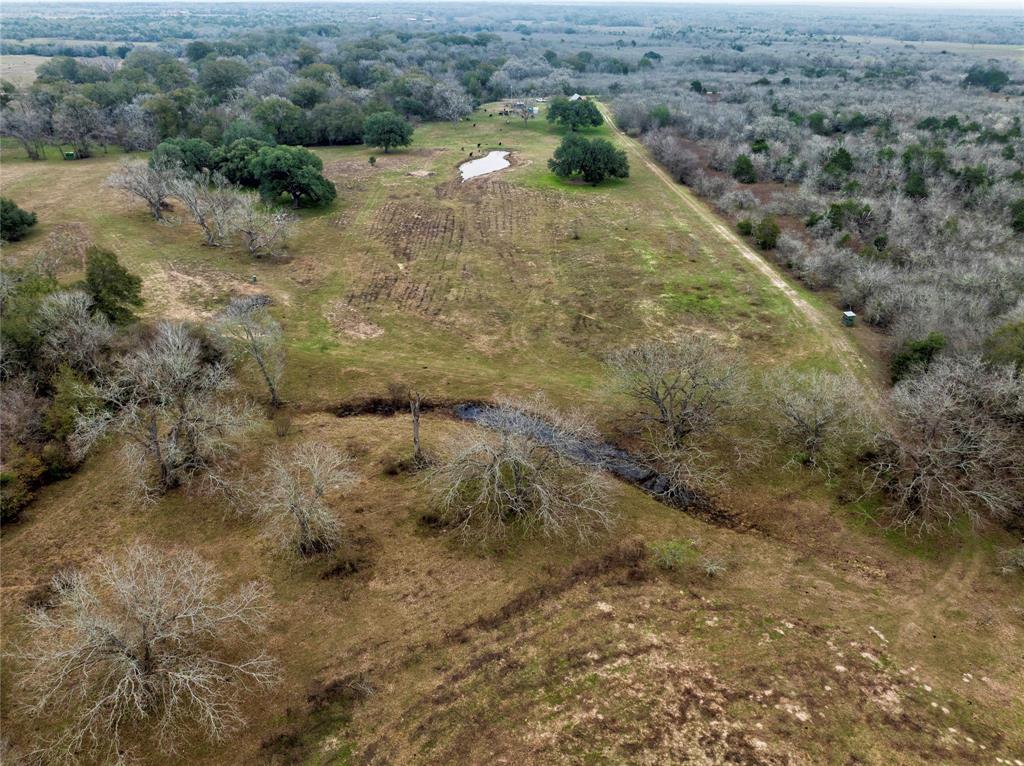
827,327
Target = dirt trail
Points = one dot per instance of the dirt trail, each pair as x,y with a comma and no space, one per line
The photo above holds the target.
827,327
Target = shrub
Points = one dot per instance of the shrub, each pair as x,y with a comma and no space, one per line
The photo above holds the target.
766,233
18,481
660,115
1006,345
191,154
745,227
1011,560
743,170
115,291
673,555
14,222
915,356
713,566
679,556
1017,215
915,186
839,163
991,78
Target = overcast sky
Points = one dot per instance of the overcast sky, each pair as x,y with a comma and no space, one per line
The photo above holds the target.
976,5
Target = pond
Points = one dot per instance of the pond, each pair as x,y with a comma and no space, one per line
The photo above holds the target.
478,167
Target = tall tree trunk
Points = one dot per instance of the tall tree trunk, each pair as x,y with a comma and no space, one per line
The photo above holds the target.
414,409
275,400
158,455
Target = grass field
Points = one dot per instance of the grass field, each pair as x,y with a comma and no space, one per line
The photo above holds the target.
827,641
981,50
476,287
20,70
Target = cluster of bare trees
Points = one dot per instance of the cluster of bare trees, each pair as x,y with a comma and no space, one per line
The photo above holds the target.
171,405
956,449
951,449
142,647
916,226
214,205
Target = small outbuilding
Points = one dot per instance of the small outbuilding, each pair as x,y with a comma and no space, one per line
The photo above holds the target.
575,97
849,318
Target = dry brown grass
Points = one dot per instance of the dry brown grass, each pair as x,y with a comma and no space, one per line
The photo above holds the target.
404,648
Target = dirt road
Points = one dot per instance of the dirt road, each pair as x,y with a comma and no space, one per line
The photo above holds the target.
827,327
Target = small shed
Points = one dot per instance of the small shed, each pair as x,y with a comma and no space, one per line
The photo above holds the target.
849,318
575,97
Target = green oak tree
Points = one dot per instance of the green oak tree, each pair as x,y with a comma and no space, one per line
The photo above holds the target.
594,160
294,171
386,130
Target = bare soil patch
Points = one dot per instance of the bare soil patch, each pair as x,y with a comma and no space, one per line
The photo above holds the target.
348,321
412,230
187,293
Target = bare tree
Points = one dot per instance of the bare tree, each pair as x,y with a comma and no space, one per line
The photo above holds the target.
251,332
525,113
144,646
957,448
30,125
820,413
683,386
451,102
212,203
170,404
293,502
687,475
77,121
520,477
21,412
263,231
70,333
152,185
